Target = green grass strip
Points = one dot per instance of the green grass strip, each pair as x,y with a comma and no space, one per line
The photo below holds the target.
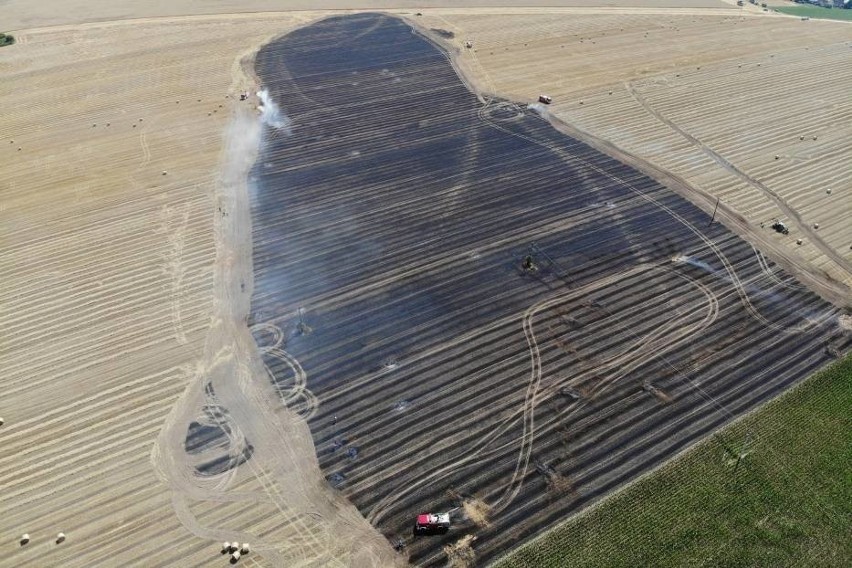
816,12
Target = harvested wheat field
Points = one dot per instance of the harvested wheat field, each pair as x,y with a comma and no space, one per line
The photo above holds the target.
113,195
752,109
21,14
476,313
139,418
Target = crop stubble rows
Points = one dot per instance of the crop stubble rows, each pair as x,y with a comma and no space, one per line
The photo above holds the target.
108,277
711,99
389,230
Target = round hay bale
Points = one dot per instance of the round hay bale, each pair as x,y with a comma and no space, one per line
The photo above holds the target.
245,548
60,538
2,421
828,191
25,538
798,241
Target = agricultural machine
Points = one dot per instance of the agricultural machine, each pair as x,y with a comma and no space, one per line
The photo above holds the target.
780,227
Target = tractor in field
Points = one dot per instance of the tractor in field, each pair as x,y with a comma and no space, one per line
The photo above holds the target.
432,523
780,227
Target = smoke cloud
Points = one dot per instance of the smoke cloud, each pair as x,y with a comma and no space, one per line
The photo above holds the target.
271,115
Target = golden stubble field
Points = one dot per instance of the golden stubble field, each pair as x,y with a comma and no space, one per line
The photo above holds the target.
20,14
749,108
111,202
117,222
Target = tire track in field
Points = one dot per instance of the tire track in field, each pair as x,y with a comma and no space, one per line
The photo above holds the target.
698,233
764,266
782,205
634,356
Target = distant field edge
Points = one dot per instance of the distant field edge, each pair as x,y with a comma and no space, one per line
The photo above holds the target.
771,489
816,12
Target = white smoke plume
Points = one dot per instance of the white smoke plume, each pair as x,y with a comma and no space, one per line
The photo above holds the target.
271,114
538,108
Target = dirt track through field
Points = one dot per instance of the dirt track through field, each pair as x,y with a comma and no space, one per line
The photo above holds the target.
698,99
780,203
390,227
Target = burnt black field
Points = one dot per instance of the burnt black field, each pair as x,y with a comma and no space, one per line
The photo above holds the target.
391,222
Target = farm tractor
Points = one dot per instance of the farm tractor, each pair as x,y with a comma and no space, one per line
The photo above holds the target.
432,523
780,227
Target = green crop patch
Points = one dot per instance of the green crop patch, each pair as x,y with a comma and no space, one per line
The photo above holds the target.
816,12
770,490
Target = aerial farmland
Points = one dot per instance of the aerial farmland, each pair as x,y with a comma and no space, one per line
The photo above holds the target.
748,110
493,318
278,283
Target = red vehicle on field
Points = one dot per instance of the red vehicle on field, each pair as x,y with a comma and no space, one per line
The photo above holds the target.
432,523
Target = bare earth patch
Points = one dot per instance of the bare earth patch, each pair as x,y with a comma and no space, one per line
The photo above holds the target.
460,554
477,511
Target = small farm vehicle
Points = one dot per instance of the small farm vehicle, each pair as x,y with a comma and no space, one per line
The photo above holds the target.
780,227
430,523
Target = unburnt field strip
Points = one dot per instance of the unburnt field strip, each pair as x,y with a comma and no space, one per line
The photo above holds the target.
477,313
